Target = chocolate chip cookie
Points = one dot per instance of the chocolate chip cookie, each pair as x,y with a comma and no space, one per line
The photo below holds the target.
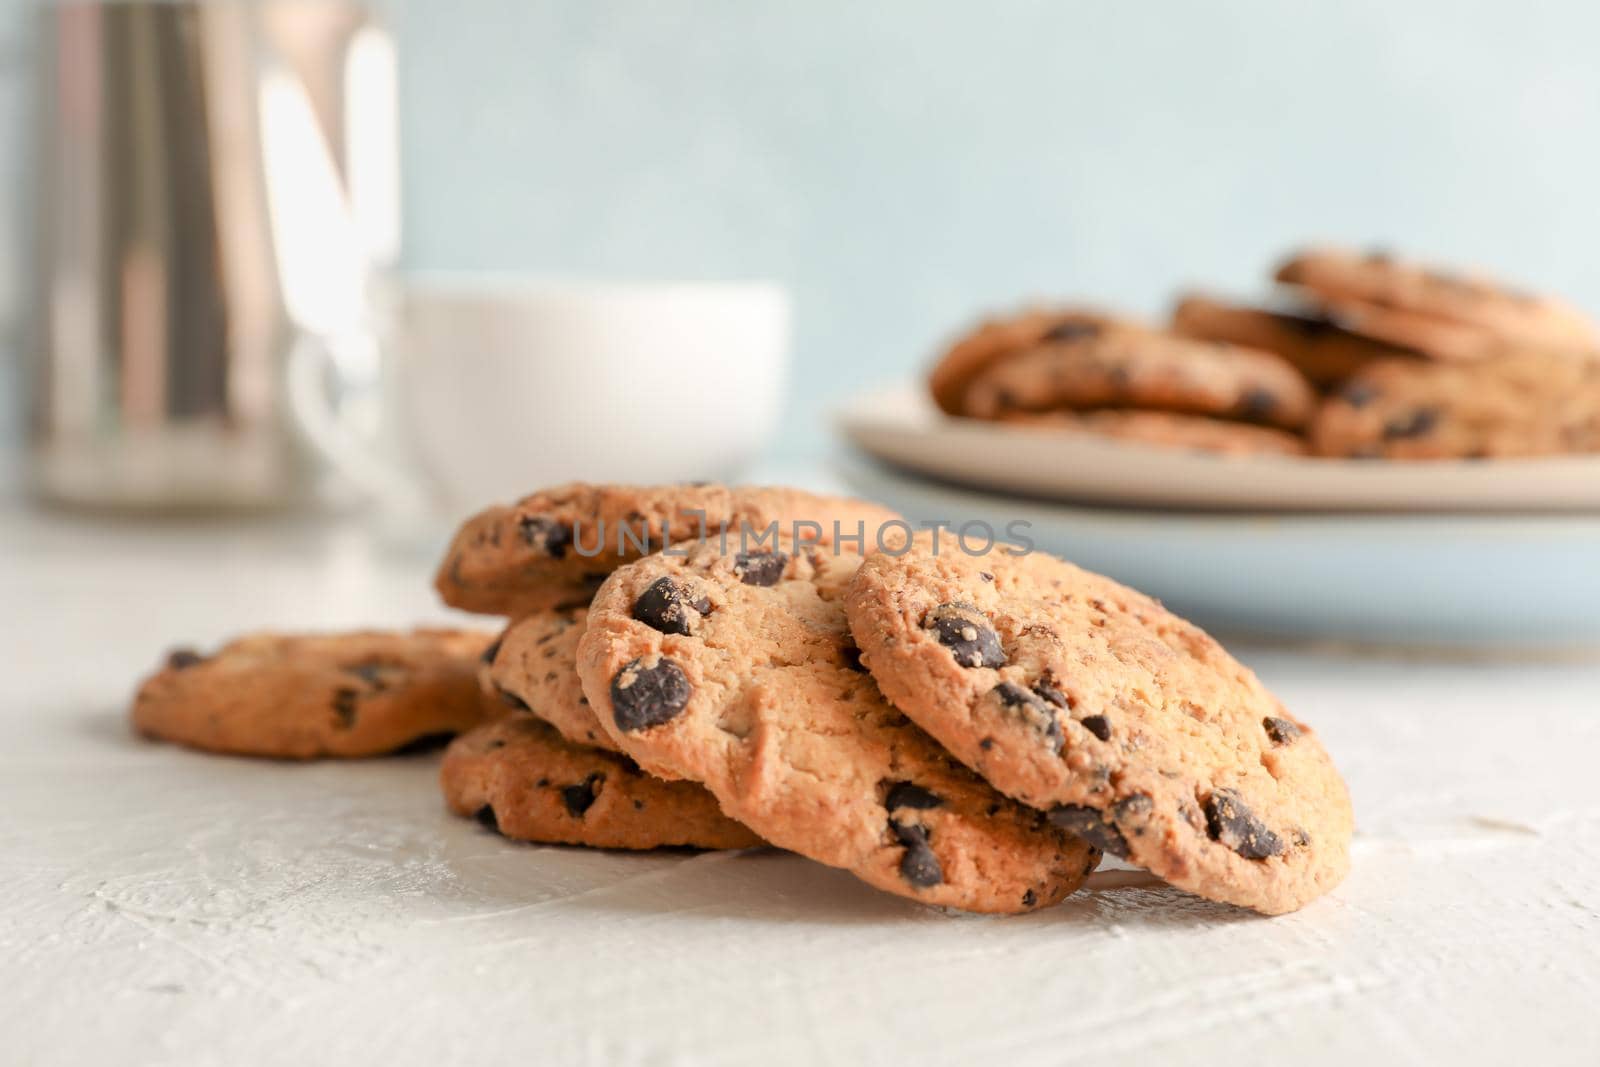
995,339
1164,372
555,547
751,686
533,667
519,777
1131,727
1164,429
1308,335
304,696
1443,313
1527,404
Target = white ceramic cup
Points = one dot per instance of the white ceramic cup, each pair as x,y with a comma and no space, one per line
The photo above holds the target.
495,386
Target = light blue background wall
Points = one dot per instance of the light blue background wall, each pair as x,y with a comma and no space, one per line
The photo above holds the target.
902,165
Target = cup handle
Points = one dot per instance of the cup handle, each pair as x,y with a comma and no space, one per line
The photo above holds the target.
352,451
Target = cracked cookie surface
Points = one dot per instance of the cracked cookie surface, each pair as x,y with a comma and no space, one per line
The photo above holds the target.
1442,313
1134,729
533,668
553,548
1307,334
755,690
301,696
1144,370
521,779
993,340
1522,404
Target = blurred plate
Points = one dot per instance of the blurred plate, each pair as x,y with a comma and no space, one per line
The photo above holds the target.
1477,580
901,426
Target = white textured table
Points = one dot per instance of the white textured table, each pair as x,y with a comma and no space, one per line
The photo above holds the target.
164,907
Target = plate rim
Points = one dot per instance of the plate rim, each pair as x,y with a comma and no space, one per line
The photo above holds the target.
864,418
857,470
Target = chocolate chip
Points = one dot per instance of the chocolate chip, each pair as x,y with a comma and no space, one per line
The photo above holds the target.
1282,731
181,659
1358,394
966,633
511,700
1013,695
669,606
374,674
1257,404
425,743
1133,806
1308,322
642,697
760,568
1229,822
1029,899
1098,725
485,817
1038,711
493,650
1415,424
545,535
1046,688
1089,826
986,576
1072,331
919,865
344,707
911,795
578,798
1190,816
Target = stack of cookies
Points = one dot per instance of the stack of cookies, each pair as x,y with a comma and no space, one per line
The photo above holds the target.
721,667
1355,356
1087,371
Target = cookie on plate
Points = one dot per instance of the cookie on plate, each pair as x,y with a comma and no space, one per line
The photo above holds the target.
533,667
995,339
303,696
520,778
1132,727
1308,335
736,670
1164,429
1526,404
555,547
1442,313
1163,372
